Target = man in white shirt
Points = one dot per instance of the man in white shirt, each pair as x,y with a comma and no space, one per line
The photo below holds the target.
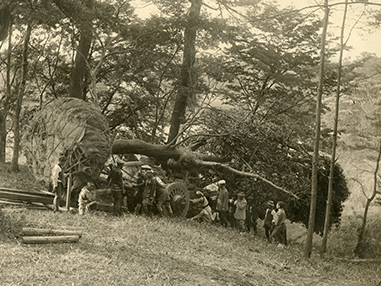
58,179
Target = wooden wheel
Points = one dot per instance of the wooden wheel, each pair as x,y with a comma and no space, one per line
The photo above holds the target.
179,196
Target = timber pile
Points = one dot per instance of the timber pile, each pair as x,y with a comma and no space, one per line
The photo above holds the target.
43,236
30,199
44,200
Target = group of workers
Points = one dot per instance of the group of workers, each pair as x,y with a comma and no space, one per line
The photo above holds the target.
237,212
150,196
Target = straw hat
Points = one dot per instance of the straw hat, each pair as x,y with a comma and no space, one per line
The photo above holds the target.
199,193
146,167
221,183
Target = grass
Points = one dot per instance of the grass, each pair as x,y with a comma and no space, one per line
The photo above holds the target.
137,250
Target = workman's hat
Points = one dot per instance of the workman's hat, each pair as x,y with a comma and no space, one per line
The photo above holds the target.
146,167
199,193
241,194
250,198
271,204
90,185
221,183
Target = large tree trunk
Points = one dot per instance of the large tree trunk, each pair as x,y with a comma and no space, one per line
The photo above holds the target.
188,75
160,152
5,19
175,157
20,96
5,108
81,13
77,88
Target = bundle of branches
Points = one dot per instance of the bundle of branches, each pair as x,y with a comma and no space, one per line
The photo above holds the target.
72,128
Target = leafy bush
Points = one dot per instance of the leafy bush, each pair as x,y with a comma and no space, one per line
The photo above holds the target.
269,150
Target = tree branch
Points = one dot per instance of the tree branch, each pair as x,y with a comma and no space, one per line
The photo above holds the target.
245,174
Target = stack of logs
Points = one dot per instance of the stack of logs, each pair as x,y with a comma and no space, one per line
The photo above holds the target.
43,236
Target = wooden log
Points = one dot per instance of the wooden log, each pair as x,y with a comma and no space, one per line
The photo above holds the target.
68,192
28,231
25,197
22,204
49,239
30,192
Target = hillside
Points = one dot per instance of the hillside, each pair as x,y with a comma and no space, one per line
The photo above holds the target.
23,180
136,250
149,251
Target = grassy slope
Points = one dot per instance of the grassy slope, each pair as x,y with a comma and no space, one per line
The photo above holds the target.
135,250
150,251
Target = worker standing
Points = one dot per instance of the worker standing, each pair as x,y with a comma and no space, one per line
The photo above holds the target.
115,182
58,178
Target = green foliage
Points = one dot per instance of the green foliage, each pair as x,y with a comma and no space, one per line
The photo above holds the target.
339,196
270,150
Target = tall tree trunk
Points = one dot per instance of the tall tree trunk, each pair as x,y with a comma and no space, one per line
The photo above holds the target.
78,75
315,159
81,12
20,96
5,19
187,76
334,139
358,248
5,108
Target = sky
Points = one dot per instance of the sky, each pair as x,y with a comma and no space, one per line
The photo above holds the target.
361,40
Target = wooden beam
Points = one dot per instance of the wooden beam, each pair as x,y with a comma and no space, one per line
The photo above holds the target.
37,193
28,231
25,197
49,239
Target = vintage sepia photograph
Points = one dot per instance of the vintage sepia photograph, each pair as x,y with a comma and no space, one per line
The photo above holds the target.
190,142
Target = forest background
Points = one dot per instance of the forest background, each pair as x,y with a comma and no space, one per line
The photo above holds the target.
250,90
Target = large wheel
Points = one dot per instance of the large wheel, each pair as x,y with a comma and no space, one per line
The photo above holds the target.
179,196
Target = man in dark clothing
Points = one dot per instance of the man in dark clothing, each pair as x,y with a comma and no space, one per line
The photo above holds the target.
223,203
268,220
145,196
151,187
251,215
115,182
163,202
140,189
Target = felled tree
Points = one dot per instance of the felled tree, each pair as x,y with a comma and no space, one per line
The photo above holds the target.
71,128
